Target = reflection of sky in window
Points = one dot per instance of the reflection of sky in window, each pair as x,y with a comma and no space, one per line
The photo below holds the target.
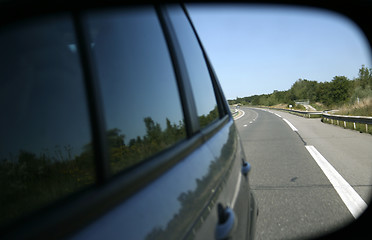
198,72
42,98
135,71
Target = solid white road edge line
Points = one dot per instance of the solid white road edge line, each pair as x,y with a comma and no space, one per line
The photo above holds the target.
349,196
290,125
243,113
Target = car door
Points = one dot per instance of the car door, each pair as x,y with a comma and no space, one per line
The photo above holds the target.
223,140
126,132
177,203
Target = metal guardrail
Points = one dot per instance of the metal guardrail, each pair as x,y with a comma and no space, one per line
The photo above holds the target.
355,119
338,118
302,101
330,117
307,114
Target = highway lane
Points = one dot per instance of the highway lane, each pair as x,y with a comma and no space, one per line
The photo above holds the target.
347,150
295,197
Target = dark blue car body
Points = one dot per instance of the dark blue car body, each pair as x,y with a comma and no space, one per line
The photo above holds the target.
195,187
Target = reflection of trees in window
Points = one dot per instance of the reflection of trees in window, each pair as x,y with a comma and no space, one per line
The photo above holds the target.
205,120
124,155
29,181
193,203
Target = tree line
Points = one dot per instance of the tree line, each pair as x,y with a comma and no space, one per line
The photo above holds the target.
30,180
339,91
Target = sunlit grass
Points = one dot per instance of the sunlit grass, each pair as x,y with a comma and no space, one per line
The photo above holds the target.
363,108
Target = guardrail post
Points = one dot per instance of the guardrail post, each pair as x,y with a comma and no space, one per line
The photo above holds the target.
349,119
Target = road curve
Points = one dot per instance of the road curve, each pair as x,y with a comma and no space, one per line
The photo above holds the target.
296,197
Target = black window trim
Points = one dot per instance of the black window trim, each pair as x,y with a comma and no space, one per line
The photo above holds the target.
182,77
191,118
220,98
94,100
183,80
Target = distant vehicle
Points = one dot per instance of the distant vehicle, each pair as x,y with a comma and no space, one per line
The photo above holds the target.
114,126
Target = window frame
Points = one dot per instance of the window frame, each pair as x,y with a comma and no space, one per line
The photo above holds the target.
69,214
182,73
223,108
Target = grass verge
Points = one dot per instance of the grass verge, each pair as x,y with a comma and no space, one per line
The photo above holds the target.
363,108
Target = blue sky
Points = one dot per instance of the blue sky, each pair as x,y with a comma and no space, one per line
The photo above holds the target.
256,49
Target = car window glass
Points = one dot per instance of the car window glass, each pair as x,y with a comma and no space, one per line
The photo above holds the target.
140,95
200,79
44,124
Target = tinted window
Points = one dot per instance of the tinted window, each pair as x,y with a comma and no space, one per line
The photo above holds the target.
140,95
201,83
44,122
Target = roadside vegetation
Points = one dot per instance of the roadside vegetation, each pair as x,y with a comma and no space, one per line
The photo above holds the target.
361,108
351,97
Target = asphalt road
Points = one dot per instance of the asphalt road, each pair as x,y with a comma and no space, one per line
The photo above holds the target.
296,198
